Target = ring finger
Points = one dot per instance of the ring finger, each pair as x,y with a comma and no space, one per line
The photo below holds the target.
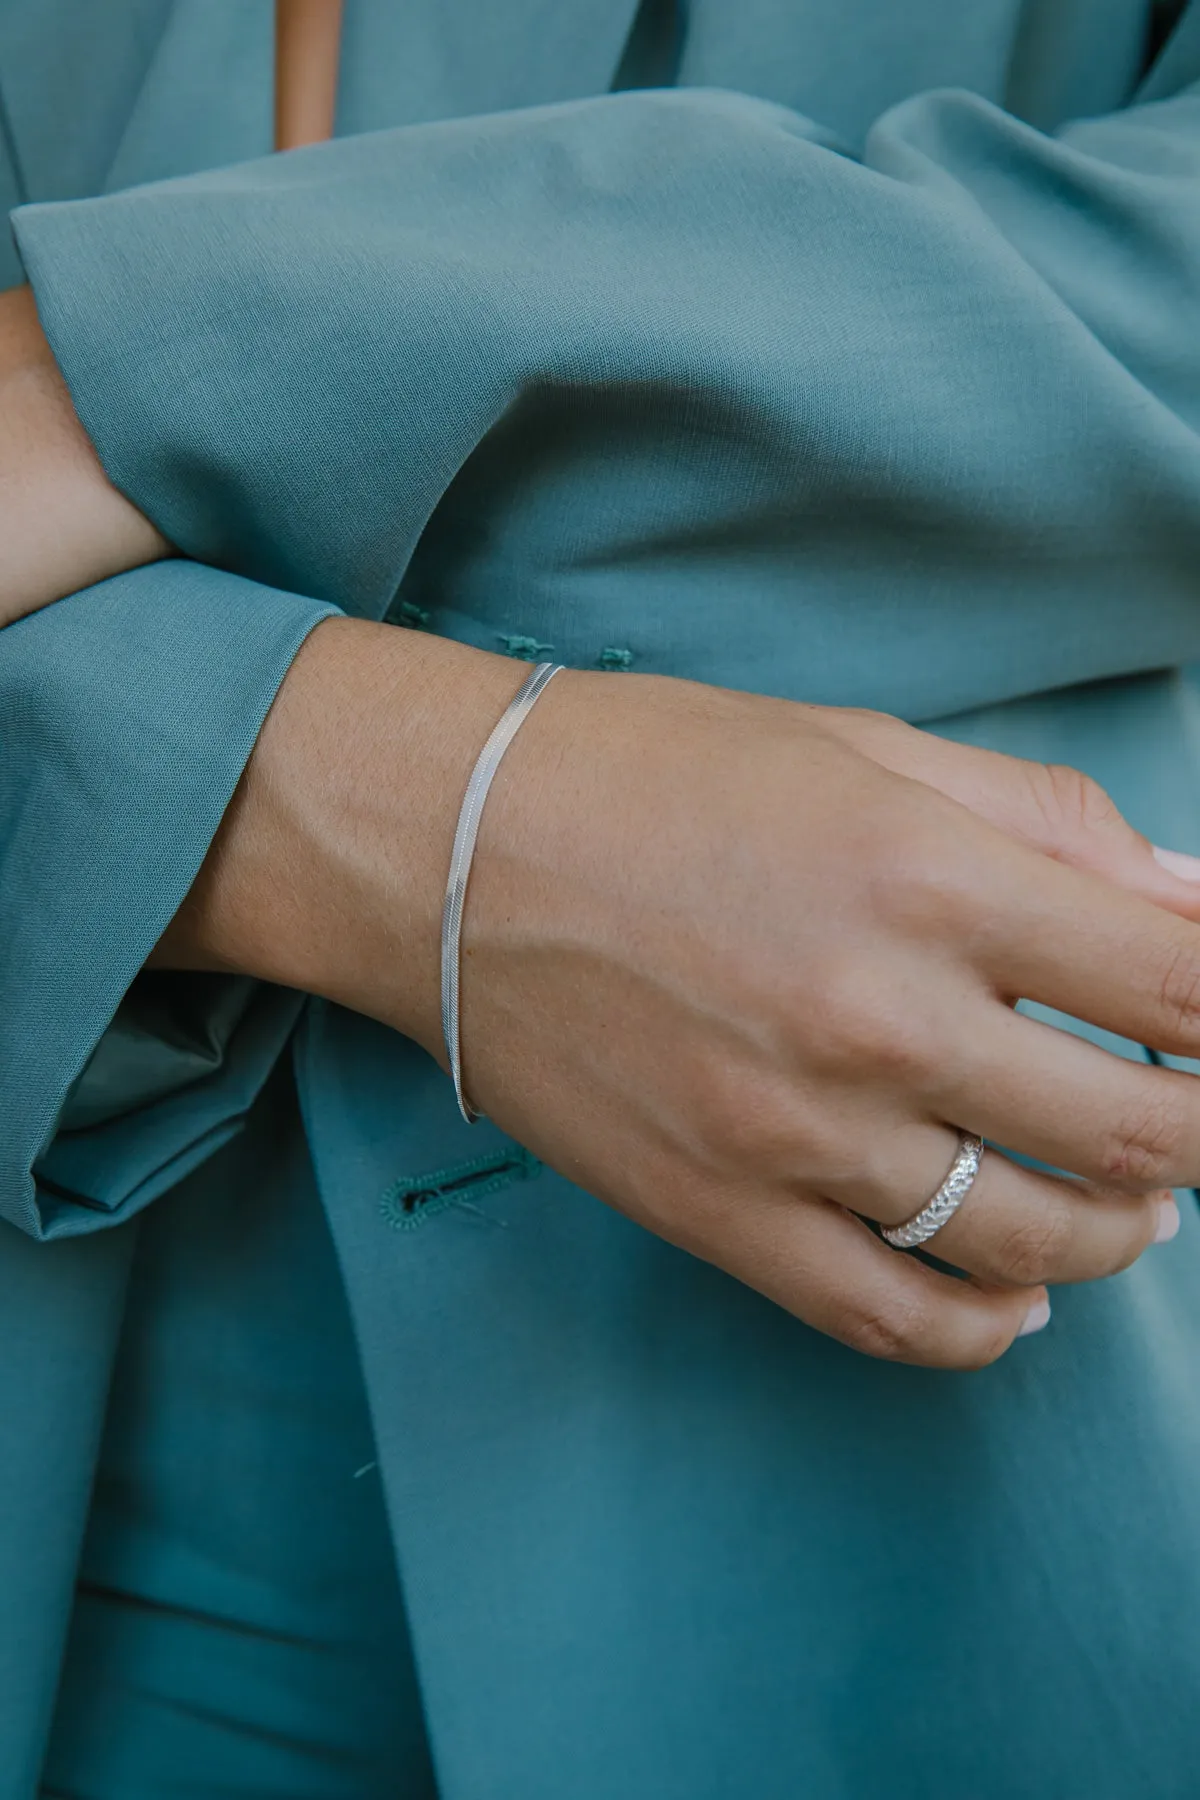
1016,1226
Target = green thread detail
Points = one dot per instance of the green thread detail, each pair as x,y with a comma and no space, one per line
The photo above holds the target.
613,656
526,648
414,616
411,1199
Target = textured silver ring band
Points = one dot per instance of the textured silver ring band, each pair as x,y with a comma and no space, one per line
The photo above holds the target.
946,1202
489,760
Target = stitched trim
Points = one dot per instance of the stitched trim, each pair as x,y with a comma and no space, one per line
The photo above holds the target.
411,1199
410,614
526,649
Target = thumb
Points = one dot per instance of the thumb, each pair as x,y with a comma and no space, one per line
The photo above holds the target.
1054,809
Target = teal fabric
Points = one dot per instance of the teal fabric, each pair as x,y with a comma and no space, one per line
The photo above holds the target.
238,1628
508,343
862,367
125,729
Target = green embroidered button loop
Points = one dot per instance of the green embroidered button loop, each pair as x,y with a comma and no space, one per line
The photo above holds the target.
411,1199
526,649
414,616
530,649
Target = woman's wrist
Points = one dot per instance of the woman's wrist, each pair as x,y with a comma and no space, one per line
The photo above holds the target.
737,967
329,870
63,526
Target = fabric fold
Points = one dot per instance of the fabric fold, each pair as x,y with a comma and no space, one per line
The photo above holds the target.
661,377
127,714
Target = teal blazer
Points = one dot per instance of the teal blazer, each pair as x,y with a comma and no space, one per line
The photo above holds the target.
845,352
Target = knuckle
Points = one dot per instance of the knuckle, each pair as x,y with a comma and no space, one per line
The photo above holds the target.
905,1331
988,1348
906,1050
844,1010
1142,1150
744,1121
1066,797
1179,994
1029,1252
1139,1240
871,715
891,1333
864,1029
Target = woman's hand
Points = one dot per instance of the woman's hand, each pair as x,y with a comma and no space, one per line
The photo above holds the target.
63,525
730,972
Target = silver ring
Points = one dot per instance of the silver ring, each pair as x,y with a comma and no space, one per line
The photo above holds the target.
946,1202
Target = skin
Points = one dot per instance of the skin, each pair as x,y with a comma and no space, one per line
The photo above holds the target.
307,45
737,966
62,526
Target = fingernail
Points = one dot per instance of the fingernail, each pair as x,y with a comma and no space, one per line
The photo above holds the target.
1176,863
1036,1319
1168,1222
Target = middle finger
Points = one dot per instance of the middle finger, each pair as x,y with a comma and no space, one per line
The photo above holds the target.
1059,1099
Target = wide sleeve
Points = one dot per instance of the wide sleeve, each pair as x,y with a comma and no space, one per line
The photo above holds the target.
127,714
677,337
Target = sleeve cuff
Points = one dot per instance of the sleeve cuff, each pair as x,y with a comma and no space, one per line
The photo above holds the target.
128,714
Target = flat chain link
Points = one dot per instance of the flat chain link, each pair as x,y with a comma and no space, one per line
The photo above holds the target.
489,760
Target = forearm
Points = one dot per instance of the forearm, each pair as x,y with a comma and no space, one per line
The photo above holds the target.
63,526
329,868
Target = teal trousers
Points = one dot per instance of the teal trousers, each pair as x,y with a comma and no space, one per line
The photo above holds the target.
238,1625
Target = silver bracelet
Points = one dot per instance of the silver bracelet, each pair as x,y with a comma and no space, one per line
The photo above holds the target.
490,758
